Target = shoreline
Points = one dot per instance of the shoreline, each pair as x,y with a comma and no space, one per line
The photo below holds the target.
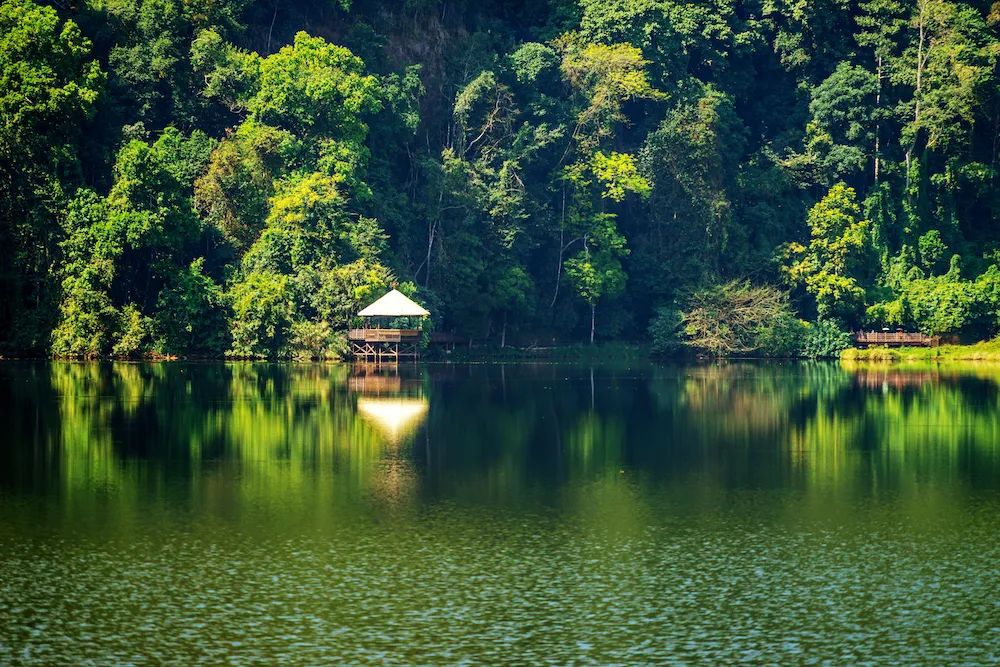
985,351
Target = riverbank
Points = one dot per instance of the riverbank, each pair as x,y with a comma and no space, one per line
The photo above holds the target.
983,351
610,351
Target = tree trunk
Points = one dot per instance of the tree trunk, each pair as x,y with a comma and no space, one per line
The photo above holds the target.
878,106
593,317
562,248
916,95
503,332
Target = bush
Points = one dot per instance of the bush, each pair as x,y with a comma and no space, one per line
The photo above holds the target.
737,318
317,341
782,338
132,334
824,339
87,321
666,332
190,314
262,316
944,304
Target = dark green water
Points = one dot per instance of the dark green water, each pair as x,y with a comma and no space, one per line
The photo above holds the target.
521,513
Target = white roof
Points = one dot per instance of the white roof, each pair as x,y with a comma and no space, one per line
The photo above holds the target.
394,304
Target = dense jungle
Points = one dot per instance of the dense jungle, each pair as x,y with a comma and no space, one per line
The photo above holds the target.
237,178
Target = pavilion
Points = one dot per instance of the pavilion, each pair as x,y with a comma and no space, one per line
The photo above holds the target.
375,342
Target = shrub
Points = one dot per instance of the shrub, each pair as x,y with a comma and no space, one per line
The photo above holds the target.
190,314
666,330
824,339
782,337
317,340
735,317
132,333
262,316
943,304
87,320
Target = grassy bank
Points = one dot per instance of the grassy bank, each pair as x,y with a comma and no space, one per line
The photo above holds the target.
984,351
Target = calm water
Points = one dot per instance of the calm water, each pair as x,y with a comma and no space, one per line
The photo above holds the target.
520,513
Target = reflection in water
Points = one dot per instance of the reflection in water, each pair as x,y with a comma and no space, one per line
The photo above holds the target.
492,431
392,401
395,416
709,513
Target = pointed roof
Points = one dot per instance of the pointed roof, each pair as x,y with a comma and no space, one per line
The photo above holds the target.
394,304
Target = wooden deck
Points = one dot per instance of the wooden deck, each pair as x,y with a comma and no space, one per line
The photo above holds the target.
384,335
384,345
895,339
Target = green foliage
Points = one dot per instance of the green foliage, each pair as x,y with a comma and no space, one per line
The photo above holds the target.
190,314
120,251
840,137
263,311
824,339
47,82
833,265
133,333
49,87
932,250
596,271
629,154
666,331
317,341
316,88
783,337
531,60
595,274
619,175
691,162
944,304
233,192
606,76
87,321
231,76
337,294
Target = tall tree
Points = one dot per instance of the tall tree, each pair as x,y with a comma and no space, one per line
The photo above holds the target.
49,85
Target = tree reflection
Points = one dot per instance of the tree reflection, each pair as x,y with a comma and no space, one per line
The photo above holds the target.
228,436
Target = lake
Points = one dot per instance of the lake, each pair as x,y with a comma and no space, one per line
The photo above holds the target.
531,513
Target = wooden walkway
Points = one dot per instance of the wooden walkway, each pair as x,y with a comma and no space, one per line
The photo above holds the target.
895,339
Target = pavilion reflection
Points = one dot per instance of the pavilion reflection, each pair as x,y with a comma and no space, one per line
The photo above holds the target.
393,401
397,418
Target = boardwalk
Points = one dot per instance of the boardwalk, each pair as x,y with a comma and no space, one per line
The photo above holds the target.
895,339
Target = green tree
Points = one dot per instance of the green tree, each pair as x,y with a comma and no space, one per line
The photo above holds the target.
190,314
233,192
833,265
691,161
881,24
49,86
263,314
120,251
841,135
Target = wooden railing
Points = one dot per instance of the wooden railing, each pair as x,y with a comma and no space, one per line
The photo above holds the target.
896,338
384,335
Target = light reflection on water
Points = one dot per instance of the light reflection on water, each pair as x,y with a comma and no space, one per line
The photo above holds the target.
484,513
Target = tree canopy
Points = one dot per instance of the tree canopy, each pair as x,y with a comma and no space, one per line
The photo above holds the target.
231,177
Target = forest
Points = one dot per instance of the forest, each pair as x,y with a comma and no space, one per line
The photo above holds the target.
238,178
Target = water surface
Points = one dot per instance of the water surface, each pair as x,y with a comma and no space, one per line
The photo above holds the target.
556,513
